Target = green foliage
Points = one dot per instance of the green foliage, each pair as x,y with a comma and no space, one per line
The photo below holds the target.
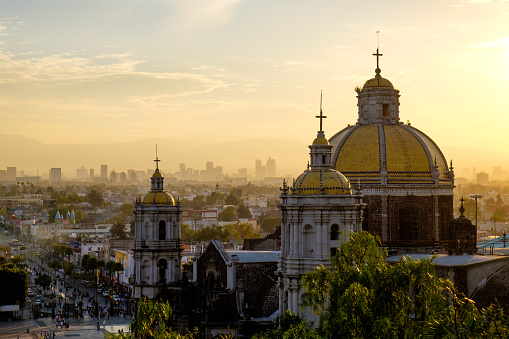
43,280
95,197
14,284
229,214
243,211
362,296
231,199
118,228
240,232
269,224
500,214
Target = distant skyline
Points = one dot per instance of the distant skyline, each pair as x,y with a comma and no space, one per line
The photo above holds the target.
112,71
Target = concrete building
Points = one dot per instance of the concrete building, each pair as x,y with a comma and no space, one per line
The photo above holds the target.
55,175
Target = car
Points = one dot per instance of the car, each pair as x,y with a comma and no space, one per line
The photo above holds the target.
105,294
116,298
99,290
61,270
31,293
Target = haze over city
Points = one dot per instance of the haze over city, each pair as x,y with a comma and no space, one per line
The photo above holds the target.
199,75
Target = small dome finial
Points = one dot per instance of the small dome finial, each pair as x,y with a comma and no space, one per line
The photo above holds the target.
157,161
462,209
321,116
377,70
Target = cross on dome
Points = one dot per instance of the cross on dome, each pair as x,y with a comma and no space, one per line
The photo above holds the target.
321,116
157,160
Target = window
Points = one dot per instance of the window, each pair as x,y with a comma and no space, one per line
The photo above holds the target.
334,232
162,265
162,230
386,110
309,241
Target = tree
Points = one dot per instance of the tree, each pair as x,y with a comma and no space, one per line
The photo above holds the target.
231,199
43,280
126,209
118,228
362,296
13,284
500,214
243,211
240,232
229,214
95,197
269,224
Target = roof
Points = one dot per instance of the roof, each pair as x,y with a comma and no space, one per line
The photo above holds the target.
378,82
402,153
158,198
321,181
451,260
254,256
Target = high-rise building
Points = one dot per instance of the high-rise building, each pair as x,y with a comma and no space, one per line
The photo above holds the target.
104,171
81,172
92,174
113,177
271,167
260,170
242,172
483,178
3,175
131,176
122,178
55,174
11,173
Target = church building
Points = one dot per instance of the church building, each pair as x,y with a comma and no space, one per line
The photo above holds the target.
317,213
157,243
404,177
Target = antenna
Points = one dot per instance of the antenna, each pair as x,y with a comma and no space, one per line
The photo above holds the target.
378,39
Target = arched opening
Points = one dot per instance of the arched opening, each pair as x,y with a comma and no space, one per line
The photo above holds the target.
162,265
334,232
285,301
145,272
323,159
309,241
410,224
162,230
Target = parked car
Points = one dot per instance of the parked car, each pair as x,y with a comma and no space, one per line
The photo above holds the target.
105,294
100,290
116,298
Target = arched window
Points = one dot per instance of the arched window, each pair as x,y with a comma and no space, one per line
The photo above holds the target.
162,265
309,241
145,274
410,224
162,230
334,232
323,159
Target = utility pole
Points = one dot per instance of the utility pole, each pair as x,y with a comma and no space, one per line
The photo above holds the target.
476,196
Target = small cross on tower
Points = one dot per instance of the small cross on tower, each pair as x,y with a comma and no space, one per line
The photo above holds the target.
157,160
377,55
321,116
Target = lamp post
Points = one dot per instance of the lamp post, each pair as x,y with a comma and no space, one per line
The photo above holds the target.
476,196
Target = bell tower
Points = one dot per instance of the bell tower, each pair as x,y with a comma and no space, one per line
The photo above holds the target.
157,243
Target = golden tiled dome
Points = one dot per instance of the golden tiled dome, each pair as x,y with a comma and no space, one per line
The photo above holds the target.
378,82
157,174
158,198
400,153
324,181
320,141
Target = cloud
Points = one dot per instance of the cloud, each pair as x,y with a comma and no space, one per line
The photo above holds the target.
190,15
503,42
299,64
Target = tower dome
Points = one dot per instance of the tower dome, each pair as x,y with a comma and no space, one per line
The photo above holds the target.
157,195
380,149
321,177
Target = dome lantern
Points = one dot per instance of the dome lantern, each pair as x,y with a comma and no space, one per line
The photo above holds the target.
378,100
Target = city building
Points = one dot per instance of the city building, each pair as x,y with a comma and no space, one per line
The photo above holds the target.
271,167
157,244
11,173
104,171
55,175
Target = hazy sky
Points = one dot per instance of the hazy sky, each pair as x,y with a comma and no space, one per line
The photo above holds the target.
112,70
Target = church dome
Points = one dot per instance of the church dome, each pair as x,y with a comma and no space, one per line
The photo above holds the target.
389,154
158,198
323,181
320,140
378,82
